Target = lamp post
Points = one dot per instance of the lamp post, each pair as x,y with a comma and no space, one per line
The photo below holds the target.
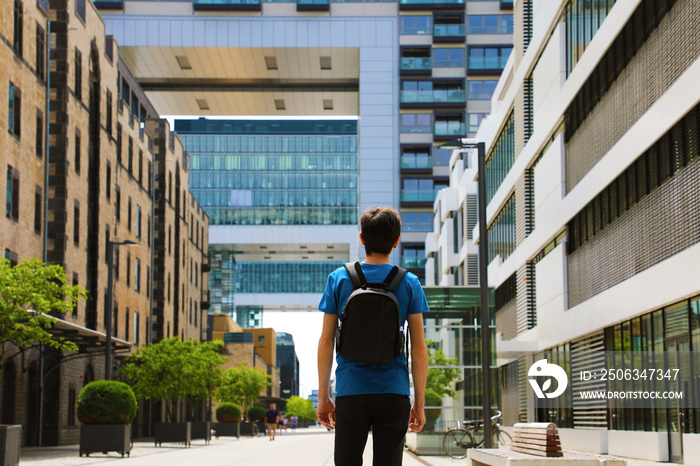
465,144
110,302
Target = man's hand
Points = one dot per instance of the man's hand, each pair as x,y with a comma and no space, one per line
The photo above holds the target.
326,412
417,419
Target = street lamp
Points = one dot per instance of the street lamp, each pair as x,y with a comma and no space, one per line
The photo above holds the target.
464,144
110,302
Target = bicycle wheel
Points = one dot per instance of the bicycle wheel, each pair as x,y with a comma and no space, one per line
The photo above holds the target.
455,443
501,439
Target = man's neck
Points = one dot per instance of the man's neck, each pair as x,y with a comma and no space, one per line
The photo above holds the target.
376,259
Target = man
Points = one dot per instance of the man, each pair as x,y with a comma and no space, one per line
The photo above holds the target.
271,421
373,396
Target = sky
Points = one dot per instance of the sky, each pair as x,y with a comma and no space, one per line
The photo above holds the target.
306,329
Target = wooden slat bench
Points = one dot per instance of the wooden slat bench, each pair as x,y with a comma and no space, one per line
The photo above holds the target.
537,438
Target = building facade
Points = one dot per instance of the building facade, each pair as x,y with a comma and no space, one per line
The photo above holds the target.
416,72
82,171
288,364
283,199
591,150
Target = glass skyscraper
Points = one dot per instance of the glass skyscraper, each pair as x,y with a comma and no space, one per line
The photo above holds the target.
251,175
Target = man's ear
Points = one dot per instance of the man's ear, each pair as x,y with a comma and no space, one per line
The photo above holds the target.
362,240
396,243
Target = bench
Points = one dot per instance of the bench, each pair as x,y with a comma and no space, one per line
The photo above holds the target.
537,438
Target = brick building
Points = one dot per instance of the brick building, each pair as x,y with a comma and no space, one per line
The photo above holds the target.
113,172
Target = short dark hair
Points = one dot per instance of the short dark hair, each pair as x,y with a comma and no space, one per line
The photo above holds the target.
381,227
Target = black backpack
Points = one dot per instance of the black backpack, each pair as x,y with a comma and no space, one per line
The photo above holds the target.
370,328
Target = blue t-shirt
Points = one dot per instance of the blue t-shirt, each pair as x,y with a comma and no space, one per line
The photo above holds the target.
362,378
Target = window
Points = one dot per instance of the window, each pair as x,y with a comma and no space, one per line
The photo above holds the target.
413,256
148,281
149,229
137,274
126,325
108,180
474,120
136,328
415,25
76,222
75,283
128,269
80,9
130,160
150,176
40,51
115,252
448,57
12,194
416,123
490,24
261,338
71,407
19,26
128,214
37,209
78,86
140,167
119,142
106,243
488,58
419,190
118,204
442,157
108,111
77,151
15,104
417,221
481,90
138,221
39,143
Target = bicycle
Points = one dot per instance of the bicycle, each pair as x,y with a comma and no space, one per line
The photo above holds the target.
456,442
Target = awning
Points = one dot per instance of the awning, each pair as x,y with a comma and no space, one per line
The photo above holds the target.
86,339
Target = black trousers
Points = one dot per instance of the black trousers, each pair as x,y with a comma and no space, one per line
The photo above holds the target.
386,414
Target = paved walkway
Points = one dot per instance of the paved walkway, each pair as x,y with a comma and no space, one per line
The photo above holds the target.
304,447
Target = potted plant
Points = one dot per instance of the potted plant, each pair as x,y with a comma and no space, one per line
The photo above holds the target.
229,417
256,414
105,409
431,414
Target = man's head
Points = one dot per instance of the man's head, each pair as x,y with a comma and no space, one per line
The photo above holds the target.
272,406
381,228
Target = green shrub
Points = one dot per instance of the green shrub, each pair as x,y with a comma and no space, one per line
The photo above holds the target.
432,399
256,413
228,412
106,402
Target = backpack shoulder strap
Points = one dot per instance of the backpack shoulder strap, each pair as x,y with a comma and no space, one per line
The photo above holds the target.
394,278
355,271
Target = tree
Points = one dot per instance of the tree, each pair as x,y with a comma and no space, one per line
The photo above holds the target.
242,386
173,369
440,378
304,409
28,292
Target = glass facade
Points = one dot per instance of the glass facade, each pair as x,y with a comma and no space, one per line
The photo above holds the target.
415,25
272,177
501,158
583,19
283,277
222,278
502,232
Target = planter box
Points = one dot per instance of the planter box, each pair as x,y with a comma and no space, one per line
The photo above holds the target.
177,432
105,437
227,429
10,442
201,430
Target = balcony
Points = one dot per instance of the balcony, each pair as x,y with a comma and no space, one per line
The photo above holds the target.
429,4
313,5
436,97
413,262
486,65
416,65
105,4
450,129
418,196
449,33
413,162
227,5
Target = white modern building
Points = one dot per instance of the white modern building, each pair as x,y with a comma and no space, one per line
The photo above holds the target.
593,207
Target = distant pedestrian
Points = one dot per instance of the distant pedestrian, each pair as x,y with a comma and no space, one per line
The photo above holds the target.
271,421
280,422
294,420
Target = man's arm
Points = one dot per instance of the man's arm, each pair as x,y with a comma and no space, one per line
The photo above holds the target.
326,407
419,369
